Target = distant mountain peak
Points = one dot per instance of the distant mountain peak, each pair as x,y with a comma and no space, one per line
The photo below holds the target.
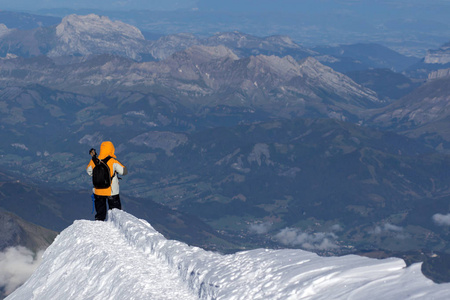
274,44
283,39
84,35
93,24
198,54
4,30
212,52
230,35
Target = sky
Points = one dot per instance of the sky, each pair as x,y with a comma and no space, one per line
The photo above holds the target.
410,27
126,258
234,5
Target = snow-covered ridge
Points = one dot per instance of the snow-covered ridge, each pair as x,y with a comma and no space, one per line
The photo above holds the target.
125,258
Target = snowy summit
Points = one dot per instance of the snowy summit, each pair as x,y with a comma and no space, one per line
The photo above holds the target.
125,258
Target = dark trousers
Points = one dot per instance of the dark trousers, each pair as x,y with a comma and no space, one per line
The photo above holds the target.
100,205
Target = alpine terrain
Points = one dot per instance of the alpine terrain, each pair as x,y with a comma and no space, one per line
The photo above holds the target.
238,145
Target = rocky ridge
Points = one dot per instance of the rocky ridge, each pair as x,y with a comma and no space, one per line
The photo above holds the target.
212,75
424,113
17,232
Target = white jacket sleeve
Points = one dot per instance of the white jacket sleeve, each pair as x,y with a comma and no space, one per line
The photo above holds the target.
120,169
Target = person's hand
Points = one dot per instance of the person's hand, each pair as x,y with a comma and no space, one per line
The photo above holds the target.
92,152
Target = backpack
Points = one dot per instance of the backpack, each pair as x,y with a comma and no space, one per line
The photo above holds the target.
101,177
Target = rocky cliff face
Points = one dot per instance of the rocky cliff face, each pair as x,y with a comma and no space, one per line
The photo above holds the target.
439,74
440,56
85,35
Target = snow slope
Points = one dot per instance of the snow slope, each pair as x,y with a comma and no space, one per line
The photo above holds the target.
125,258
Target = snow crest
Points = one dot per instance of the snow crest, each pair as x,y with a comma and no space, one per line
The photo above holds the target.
125,258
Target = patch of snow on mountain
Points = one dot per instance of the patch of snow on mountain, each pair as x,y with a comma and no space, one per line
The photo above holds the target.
125,258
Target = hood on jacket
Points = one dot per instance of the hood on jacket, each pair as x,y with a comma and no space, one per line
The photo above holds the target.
106,149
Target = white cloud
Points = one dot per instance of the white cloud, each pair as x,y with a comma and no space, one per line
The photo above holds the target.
260,228
376,230
388,227
20,146
442,220
314,241
336,228
16,266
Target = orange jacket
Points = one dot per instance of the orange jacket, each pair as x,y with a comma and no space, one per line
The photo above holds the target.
107,149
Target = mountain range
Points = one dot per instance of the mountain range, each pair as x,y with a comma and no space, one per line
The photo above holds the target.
232,141
127,40
407,27
73,36
214,75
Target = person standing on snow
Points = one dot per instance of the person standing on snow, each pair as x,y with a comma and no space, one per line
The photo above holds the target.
110,190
